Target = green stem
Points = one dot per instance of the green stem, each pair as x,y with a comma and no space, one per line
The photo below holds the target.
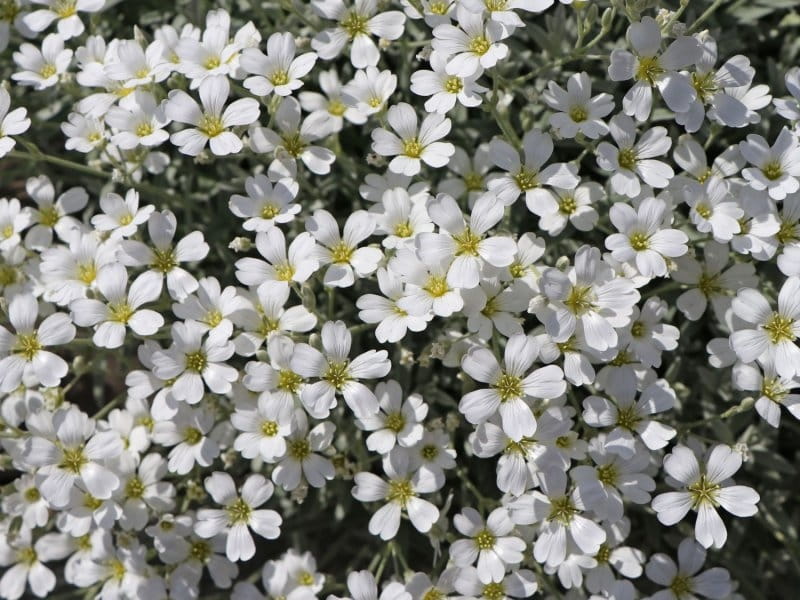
707,13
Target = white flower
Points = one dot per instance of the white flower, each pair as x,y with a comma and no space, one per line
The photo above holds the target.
521,583
490,543
75,453
775,332
570,206
355,24
472,46
25,560
629,416
561,523
276,376
397,421
427,291
135,66
11,123
464,244
293,140
652,68
444,89
141,124
25,359
164,258
69,272
411,144
143,492
393,321
211,305
331,103
65,12
187,431
51,214
122,307
293,266
84,134
368,92
401,219
264,428
215,54
529,177
502,13
400,493
632,160
121,216
579,112
647,336
341,251
266,205
773,390
240,514
303,458
685,580
42,69
510,386
775,169
192,361
337,373
213,120
278,71
703,490
643,239
713,208
790,108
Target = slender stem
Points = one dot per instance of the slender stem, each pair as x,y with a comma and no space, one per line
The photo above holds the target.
708,12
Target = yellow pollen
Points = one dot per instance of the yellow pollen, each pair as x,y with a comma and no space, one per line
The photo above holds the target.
704,210
438,8
8,275
7,231
341,253
9,9
305,578
578,114
494,591
491,308
120,312
608,474
192,436
648,70
709,285
73,460
27,556
627,417
508,386
473,181
603,554
143,129
210,125
395,422
374,101
639,241
627,158
91,502
453,84
87,273
337,108
772,388
567,205
485,540
270,211
436,286
467,242
293,144
681,586
49,216
279,77
429,452
580,300
200,551
703,492
32,495
284,272
403,230
479,45
772,170
269,428
65,8
142,73
400,491
779,328
526,179
196,361
299,449
704,85
337,374
562,510
239,512
788,231
134,488
213,318
212,62
28,345
638,329
517,270
164,260
355,24
412,148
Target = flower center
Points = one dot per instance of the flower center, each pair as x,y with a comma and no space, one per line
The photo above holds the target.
567,205
284,272
289,381
453,84
517,270
709,285
473,181
772,388
120,312
87,272
467,242
580,300
337,108
279,77
648,69
703,492
526,179
508,386
639,241
91,502
268,326
270,211
213,318
704,210
403,230
341,253
73,460
681,586
412,148
144,129
212,62
779,328
200,551
28,345
8,275
65,8
9,9
192,436
479,45
628,417
32,495
621,359
7,231
210,125
638,329
269,428
299,449
27,556
603,554
438,8
494,591
239,512
355,24
627,158
772,170
126,219
134,488
436,286
429,452
578,114
491,308
400,491
49,216
704,85
293,144
196,361
337,374
608,474
395,422
485,540
788,232
164,260
562,510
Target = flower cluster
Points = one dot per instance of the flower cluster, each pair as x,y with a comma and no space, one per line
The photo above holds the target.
318,277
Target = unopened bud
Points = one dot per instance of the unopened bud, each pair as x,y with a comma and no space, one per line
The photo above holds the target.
562,264
240,244
607,19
